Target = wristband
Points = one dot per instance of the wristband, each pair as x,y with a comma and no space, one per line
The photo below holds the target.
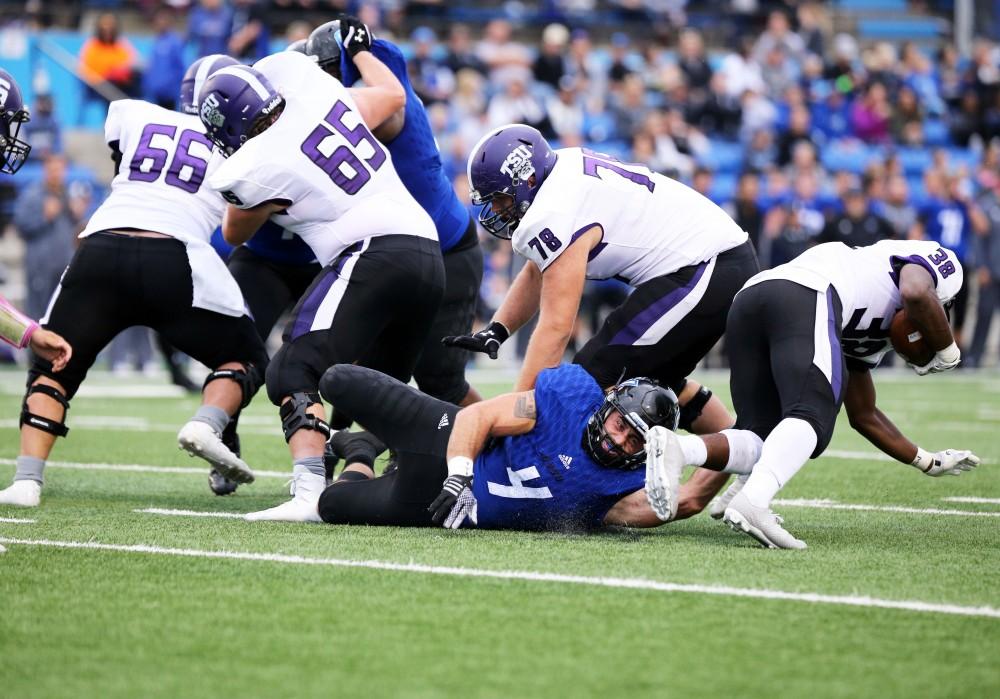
950,354
499,330
460,466
924,460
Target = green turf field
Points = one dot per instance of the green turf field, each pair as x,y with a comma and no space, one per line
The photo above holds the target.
144,605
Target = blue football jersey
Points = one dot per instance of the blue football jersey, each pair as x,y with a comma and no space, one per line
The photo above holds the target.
274,243
415,153
947,222
545,479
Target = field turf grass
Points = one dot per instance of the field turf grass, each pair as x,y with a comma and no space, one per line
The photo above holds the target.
92,622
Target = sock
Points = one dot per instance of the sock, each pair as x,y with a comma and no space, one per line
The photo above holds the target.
216,418
313,464
347,476
744,450
29,468
695,451
785,451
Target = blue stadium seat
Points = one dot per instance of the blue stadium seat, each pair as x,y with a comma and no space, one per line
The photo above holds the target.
936,133
723,157
723,187
872,5
848,155
914,160
902,29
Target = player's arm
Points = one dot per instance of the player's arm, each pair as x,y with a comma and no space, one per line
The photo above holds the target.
521,302
239,225
394,61
503,416
634,510
383,94
920,301
877,428
561,291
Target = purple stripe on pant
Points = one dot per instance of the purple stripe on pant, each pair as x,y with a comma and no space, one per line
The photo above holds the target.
644,320
836,353
310,306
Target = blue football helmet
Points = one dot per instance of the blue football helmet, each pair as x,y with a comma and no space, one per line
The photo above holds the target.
13,150
196,75
503,162
643,404
236,104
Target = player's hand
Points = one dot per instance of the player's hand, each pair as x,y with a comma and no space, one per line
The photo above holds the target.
52,347
664,463
447,500
466,508
950,462
355,35
487,340
945,360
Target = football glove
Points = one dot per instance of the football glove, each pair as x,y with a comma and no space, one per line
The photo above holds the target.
664,463
355,36
950,462
945,360
445,508
487,340
466,508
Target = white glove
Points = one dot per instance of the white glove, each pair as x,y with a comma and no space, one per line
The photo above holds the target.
945,360
465,507
950,462
664,463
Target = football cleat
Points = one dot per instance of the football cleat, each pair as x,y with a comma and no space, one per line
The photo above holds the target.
760,523
26,493
719,505
303,507
218,483
199,439
664,464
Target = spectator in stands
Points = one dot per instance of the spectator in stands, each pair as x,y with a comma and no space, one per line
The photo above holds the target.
896,208
506,59
585,66
461,53
167,62
249,37
758,112
721,114
620,68
744,207
804,163
799,131
857,225
701,181
565,113
107,59
693,63
987,273
814,26
843,71
741,72
779,35
918,74
210,24
432,80
950,80
793,226
297,31
48,217
761,151
778,70
516,105
550,65
43,133
630,106
965,123
870,114
907,113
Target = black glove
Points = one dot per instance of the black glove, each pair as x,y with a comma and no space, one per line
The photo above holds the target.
446,499
487,340
355,36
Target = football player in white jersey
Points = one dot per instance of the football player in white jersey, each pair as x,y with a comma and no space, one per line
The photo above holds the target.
577,215
300,152
809,332
145,259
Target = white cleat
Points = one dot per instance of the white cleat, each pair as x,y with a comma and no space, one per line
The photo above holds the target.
304,505
760,523
719,505
664,464
198,438
26,493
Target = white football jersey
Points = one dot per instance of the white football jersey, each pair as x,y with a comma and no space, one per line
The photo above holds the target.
160,187
867,282
166,157
652,225
320,157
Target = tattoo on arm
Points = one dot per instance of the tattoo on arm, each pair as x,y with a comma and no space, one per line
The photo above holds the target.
525,406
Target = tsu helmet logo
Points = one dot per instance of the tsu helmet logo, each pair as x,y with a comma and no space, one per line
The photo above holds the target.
518,165
210,113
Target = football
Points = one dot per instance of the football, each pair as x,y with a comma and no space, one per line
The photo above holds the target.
907,340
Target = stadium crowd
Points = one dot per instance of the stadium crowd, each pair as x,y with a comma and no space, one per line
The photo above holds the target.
802,134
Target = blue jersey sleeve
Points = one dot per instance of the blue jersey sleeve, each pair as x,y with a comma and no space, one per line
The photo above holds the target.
384,51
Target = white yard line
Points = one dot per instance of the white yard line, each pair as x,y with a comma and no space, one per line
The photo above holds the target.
833,505
15,520
188,513
133,424
531,576
981,501
142,468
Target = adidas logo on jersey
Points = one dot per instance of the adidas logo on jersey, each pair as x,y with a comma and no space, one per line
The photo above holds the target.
443,422
566,460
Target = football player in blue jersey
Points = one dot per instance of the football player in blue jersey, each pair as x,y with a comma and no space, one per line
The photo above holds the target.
407,135
564,456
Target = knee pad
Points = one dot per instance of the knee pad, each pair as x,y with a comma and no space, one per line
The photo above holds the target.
250,378
45,424
294,416
691,410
